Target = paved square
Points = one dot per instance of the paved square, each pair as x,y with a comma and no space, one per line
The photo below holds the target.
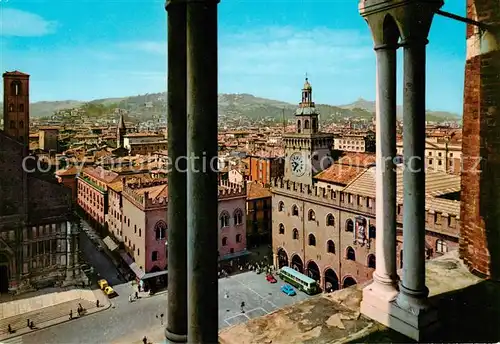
260,298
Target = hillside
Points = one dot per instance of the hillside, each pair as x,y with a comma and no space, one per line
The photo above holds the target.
230,106
435,116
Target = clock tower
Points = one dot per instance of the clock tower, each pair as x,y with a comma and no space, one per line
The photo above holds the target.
307,150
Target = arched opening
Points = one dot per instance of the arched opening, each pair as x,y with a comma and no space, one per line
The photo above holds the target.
15,88
312,240
238,217
391,31
224,241
160,230
238,238
281,206
311,216
11,107
349,226
371,261
441,246
313,271
299,124
330,220
306,124
282,258
372,232
348,281
330,246
350,254
281,228
224,219
295,235
4,273
297,264
331,281
295,210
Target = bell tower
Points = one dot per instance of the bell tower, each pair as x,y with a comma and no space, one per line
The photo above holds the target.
16,105
121,130
306,115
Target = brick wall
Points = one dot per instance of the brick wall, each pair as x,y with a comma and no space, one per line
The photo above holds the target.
480,214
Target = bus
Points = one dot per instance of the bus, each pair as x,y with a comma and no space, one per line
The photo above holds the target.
299,280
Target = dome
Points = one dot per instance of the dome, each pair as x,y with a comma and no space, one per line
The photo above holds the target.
307,85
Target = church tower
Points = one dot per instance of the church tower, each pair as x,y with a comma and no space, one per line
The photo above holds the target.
121,130
16,105
307,151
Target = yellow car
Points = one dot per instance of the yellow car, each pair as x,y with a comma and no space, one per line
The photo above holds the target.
109,292
103,284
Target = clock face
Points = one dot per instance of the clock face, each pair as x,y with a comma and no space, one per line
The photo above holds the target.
297,164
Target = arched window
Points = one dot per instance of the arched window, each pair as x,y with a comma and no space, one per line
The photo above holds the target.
350,254
371,261
15,88
299,124
12,125
224,219
11,107
160,230
238,238
21,124
441,246
154,256
311,216
306,124
312,240
281,228
330,246
372,232
330,220
295,235
281,206
238,217
224,241
349,226
295,210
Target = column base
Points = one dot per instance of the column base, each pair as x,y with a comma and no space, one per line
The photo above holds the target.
417,324
175,338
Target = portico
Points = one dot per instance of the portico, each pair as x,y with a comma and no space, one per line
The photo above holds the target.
403,307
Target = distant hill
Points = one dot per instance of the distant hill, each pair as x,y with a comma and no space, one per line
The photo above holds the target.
230,105
436,116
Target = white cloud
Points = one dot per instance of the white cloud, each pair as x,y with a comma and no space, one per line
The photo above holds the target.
153,47
24,24
282,51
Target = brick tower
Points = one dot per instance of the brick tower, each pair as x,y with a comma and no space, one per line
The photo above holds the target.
16,105
480,211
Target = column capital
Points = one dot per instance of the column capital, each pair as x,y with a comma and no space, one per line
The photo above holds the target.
382,47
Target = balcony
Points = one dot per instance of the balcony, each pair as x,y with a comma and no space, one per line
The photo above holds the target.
469,310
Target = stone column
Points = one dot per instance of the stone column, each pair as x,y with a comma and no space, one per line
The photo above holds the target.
69,255
385,276
76,263
202,189
413,292
176,325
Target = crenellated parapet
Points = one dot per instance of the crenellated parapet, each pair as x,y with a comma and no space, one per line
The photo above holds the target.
441,215
142,198
231,190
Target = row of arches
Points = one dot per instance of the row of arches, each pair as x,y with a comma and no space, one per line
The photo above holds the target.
331,281
224,218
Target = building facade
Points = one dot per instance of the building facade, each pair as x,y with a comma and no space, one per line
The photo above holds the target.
259,214
144,143
356,142
48,139
263,169
38,232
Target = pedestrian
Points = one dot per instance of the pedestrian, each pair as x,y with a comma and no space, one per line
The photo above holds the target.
28,320
97,303
145,340
242,307
136,295
70,314
9,329
32,324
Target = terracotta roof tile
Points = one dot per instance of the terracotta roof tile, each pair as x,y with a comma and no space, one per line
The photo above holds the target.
256,190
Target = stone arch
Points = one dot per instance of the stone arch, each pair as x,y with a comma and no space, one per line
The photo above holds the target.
161,230
313,270
331,280
306,124
295,210
311,215
348,281
4,272
295,235
281,206
330,246
16,88
224,219
282,257
390,30
350,253
281,228
297,263
330,220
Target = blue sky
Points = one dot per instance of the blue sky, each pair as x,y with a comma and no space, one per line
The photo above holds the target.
87,49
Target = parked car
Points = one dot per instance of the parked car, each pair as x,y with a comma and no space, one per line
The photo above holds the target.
270,278
103,284
288,289
110,293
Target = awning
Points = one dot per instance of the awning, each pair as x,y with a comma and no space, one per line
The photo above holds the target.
154,274
109,242
235,255
132,265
